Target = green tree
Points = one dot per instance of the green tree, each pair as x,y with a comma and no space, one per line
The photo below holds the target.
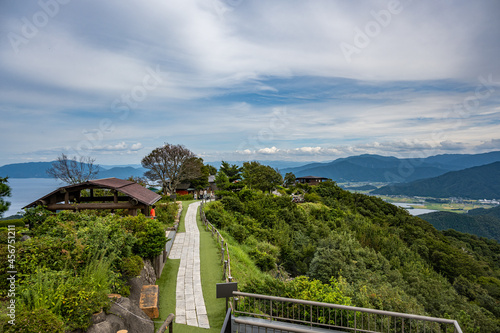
262,177
201,182
222,180
232,171
289,179
211,169
4,192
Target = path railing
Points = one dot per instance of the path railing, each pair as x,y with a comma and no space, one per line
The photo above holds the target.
335,316
224,249
167,323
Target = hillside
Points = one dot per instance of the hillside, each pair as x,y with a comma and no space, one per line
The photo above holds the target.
361,250
378,168
481,182
479,225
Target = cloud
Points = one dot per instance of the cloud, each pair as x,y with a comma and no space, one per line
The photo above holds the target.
268,151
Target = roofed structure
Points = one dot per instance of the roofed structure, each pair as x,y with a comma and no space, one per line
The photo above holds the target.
311,180
133,196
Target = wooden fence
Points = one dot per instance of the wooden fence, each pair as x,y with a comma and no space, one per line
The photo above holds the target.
224,249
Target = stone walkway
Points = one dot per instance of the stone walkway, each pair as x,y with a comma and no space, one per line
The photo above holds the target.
189,303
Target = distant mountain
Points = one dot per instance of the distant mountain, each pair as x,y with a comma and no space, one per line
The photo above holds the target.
374,168
480,222
39,170
26,170
122,172
378,168
482,182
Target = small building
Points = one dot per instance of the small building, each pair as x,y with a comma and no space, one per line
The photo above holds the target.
311,180
123,194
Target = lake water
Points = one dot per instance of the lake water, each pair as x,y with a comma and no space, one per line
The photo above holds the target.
413,211
26,190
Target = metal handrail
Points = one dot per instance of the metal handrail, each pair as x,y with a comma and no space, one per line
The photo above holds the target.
348,308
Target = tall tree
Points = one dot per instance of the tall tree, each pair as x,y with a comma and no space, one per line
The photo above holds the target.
4,192
74,171
201,182
232,171
289,179
262,177
211,169
170,165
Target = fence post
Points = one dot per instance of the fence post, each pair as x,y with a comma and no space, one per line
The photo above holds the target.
225,268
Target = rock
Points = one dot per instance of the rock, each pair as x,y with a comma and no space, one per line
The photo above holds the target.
24,238
98,317
134,318
104,327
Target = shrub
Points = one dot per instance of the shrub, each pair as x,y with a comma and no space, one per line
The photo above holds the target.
132,266
149,233
35,321
16,222
185,197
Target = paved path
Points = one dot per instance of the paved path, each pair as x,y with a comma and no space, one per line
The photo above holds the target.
189,303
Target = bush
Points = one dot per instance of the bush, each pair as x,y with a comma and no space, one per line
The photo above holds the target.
149,233
36,321
185,197
132,266
16,222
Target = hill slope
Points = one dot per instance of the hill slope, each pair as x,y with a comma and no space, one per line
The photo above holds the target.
481,182
479,225
362,249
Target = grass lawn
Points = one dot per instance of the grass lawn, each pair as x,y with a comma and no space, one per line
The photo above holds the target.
211,273
185,204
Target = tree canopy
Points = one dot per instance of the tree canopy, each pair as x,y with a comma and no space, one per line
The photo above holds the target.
170,165
4,192
259,176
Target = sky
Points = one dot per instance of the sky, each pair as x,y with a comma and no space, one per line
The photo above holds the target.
248,80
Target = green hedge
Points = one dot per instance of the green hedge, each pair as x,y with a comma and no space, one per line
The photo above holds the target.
16,222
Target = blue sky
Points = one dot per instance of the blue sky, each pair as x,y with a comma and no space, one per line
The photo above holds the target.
243,80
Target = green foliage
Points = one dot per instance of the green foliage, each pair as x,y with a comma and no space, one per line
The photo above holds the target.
184,197
149,234
73,260
4,192
132,266
35,216
289,179
482,225
15,222
36,321
261,177
166,212
379,255
232,171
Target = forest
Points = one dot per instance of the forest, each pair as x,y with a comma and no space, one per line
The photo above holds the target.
359,250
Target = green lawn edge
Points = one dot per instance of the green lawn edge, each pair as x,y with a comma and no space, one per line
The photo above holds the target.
211,274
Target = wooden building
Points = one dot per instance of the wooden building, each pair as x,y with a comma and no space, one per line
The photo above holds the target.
121,194
311,180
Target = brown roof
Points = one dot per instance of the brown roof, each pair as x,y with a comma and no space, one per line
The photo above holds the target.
129,188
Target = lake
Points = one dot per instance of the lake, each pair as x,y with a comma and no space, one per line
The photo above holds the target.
27,190
413,211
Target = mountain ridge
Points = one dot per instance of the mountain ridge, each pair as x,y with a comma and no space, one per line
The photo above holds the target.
480,182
